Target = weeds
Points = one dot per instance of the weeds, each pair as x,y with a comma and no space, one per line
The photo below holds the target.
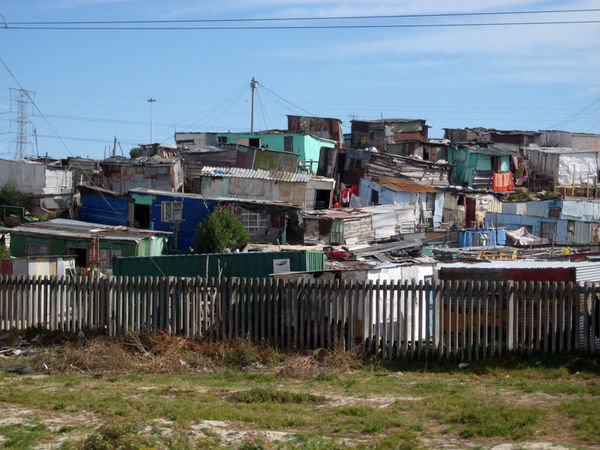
272,396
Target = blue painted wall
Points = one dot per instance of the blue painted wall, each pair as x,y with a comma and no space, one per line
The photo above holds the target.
194,211
494,237
516,221
105,209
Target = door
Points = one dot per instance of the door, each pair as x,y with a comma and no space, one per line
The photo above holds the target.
470,212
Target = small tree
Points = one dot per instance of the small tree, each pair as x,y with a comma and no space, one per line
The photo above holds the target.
135,152
219,231
4,252
11,195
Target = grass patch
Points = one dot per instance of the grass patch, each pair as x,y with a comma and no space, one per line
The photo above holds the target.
273,396
586,417
486,418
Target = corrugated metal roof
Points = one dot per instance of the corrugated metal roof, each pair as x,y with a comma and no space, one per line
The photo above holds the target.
240,172
492,150
402,185
561,150
523,264
68,228
181,195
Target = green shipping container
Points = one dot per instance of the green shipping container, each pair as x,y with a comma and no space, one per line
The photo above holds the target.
245,265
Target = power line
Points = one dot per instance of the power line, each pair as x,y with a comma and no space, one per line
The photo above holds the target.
283,19
308,27
286,101
14,77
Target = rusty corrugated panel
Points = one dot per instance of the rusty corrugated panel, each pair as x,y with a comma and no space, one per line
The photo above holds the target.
402,185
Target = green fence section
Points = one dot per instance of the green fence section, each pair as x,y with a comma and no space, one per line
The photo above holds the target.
245,265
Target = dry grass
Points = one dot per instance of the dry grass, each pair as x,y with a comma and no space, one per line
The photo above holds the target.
162,353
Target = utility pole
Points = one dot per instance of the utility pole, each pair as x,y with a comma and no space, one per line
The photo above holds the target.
151,101
114,152
253,85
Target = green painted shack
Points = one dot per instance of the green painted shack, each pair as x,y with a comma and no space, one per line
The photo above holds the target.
76,238
306,146
251,264
474,166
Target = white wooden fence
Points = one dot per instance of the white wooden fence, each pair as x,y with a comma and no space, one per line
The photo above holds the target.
448,319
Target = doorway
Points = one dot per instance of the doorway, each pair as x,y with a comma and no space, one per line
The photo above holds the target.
141,216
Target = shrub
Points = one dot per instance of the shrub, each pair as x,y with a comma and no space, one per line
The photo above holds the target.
220,230
11,195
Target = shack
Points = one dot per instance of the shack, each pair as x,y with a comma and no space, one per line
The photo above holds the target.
573,172
395,302
358,225
482,166
523,270
303,190
120,174
49,184
38,266
397,191
265,220
308,147
89,243
558,231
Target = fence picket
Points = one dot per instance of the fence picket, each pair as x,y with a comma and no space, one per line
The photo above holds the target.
457,319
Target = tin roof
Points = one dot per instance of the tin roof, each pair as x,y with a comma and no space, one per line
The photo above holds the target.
401,185
521,264
182,195
239,172
76,229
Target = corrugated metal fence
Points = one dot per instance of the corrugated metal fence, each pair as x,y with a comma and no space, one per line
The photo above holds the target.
452,319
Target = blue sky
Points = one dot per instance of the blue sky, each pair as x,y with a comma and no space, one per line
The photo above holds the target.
93,85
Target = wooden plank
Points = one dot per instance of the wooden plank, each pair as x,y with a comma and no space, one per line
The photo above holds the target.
487,285
368,316
383,319
397,338
563,302
448,318
537,288
570,338
466,299
314,296
437,325
593,331
289,302
510,318
555,319
412,301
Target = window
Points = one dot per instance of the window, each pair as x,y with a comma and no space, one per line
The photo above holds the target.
407,227
254,142
255,222
554,212
37,249
547,230
107,255
288,144
374,197
171,211
221,140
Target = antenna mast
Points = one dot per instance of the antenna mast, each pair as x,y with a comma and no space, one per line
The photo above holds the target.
253,85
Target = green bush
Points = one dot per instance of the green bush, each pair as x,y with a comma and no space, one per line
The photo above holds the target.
4,252
11,195
219,231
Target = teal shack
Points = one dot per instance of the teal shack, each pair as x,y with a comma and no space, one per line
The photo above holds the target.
306,146
474,165
246,265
